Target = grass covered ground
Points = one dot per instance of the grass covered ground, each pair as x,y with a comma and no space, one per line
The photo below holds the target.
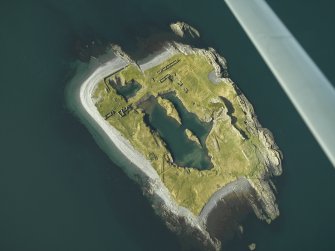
231,155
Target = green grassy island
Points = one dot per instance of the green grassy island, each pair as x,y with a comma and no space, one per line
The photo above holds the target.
182,96
180,127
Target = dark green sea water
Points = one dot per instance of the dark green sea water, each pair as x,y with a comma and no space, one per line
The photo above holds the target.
59,191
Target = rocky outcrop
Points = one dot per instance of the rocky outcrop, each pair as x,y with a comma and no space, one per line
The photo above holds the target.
192,136
265,207
170,108
218,62
182,29
117,50
252,246
178,219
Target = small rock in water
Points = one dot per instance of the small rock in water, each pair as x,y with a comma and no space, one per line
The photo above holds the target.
252,246
181,28
240,229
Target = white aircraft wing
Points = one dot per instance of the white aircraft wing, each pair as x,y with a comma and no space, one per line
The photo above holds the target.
306,86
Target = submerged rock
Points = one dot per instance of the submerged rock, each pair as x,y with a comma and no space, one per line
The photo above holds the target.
252,246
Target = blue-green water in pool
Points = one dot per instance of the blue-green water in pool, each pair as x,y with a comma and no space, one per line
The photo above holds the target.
190,120
59,191
184,151
128,90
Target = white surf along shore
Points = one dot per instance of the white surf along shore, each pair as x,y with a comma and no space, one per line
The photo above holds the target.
192,229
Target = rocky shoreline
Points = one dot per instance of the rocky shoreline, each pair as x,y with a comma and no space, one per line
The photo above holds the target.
264,206
189,227
226,208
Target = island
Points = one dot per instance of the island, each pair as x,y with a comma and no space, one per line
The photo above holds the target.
182,129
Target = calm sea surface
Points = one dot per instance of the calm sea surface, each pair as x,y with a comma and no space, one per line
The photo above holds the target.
59,191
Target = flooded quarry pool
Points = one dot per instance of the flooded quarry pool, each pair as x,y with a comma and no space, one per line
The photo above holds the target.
185,151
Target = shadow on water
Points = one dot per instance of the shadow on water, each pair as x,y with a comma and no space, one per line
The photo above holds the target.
224,222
